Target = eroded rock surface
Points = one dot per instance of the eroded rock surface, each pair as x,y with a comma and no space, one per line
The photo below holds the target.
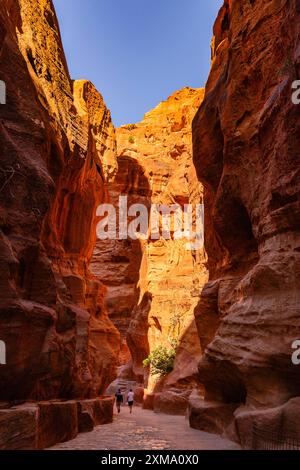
246,152
57,146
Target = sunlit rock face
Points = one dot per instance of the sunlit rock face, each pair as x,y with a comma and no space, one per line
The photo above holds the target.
57,154
153,285
246,152
117,262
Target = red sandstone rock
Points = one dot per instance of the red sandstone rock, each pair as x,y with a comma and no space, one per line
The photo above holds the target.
57,148
272,428
170,276
58,153
18,428
171,402
40,425
139,395
85,421
148,401
100,409
117,263
213,417
58,422
246,152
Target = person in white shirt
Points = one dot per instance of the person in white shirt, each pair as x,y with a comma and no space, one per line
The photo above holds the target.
130,399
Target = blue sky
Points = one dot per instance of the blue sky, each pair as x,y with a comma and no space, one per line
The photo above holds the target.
137,52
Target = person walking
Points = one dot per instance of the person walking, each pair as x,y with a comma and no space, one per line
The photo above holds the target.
119,400
130,399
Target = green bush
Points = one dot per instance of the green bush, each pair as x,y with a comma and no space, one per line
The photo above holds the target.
131,139
161,360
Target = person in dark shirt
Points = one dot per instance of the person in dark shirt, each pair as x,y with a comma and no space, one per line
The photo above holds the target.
119,400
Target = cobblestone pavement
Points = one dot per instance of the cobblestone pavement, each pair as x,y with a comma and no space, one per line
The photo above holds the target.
145,430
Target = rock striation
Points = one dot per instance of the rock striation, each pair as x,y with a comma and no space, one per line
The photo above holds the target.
246,152
58,152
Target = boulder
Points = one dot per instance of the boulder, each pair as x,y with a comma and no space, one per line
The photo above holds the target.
85,421
100,410
19,428
171,402
58,422
212,417
148,401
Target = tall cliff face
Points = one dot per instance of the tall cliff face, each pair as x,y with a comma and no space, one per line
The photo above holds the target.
153,285
117,262
57,146
171,275
246,152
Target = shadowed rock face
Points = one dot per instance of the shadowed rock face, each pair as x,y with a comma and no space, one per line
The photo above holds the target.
246,152
57,147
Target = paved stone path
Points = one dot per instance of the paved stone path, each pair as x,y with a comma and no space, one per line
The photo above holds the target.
145,430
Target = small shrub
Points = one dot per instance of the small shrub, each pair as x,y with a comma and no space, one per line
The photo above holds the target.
131,139
161,360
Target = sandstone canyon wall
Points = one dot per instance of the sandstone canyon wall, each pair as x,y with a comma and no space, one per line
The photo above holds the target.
153,285
58,152
246,152
117,262
59,161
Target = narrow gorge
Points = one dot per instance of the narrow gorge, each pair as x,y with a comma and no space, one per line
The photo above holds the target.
79,314
153,285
